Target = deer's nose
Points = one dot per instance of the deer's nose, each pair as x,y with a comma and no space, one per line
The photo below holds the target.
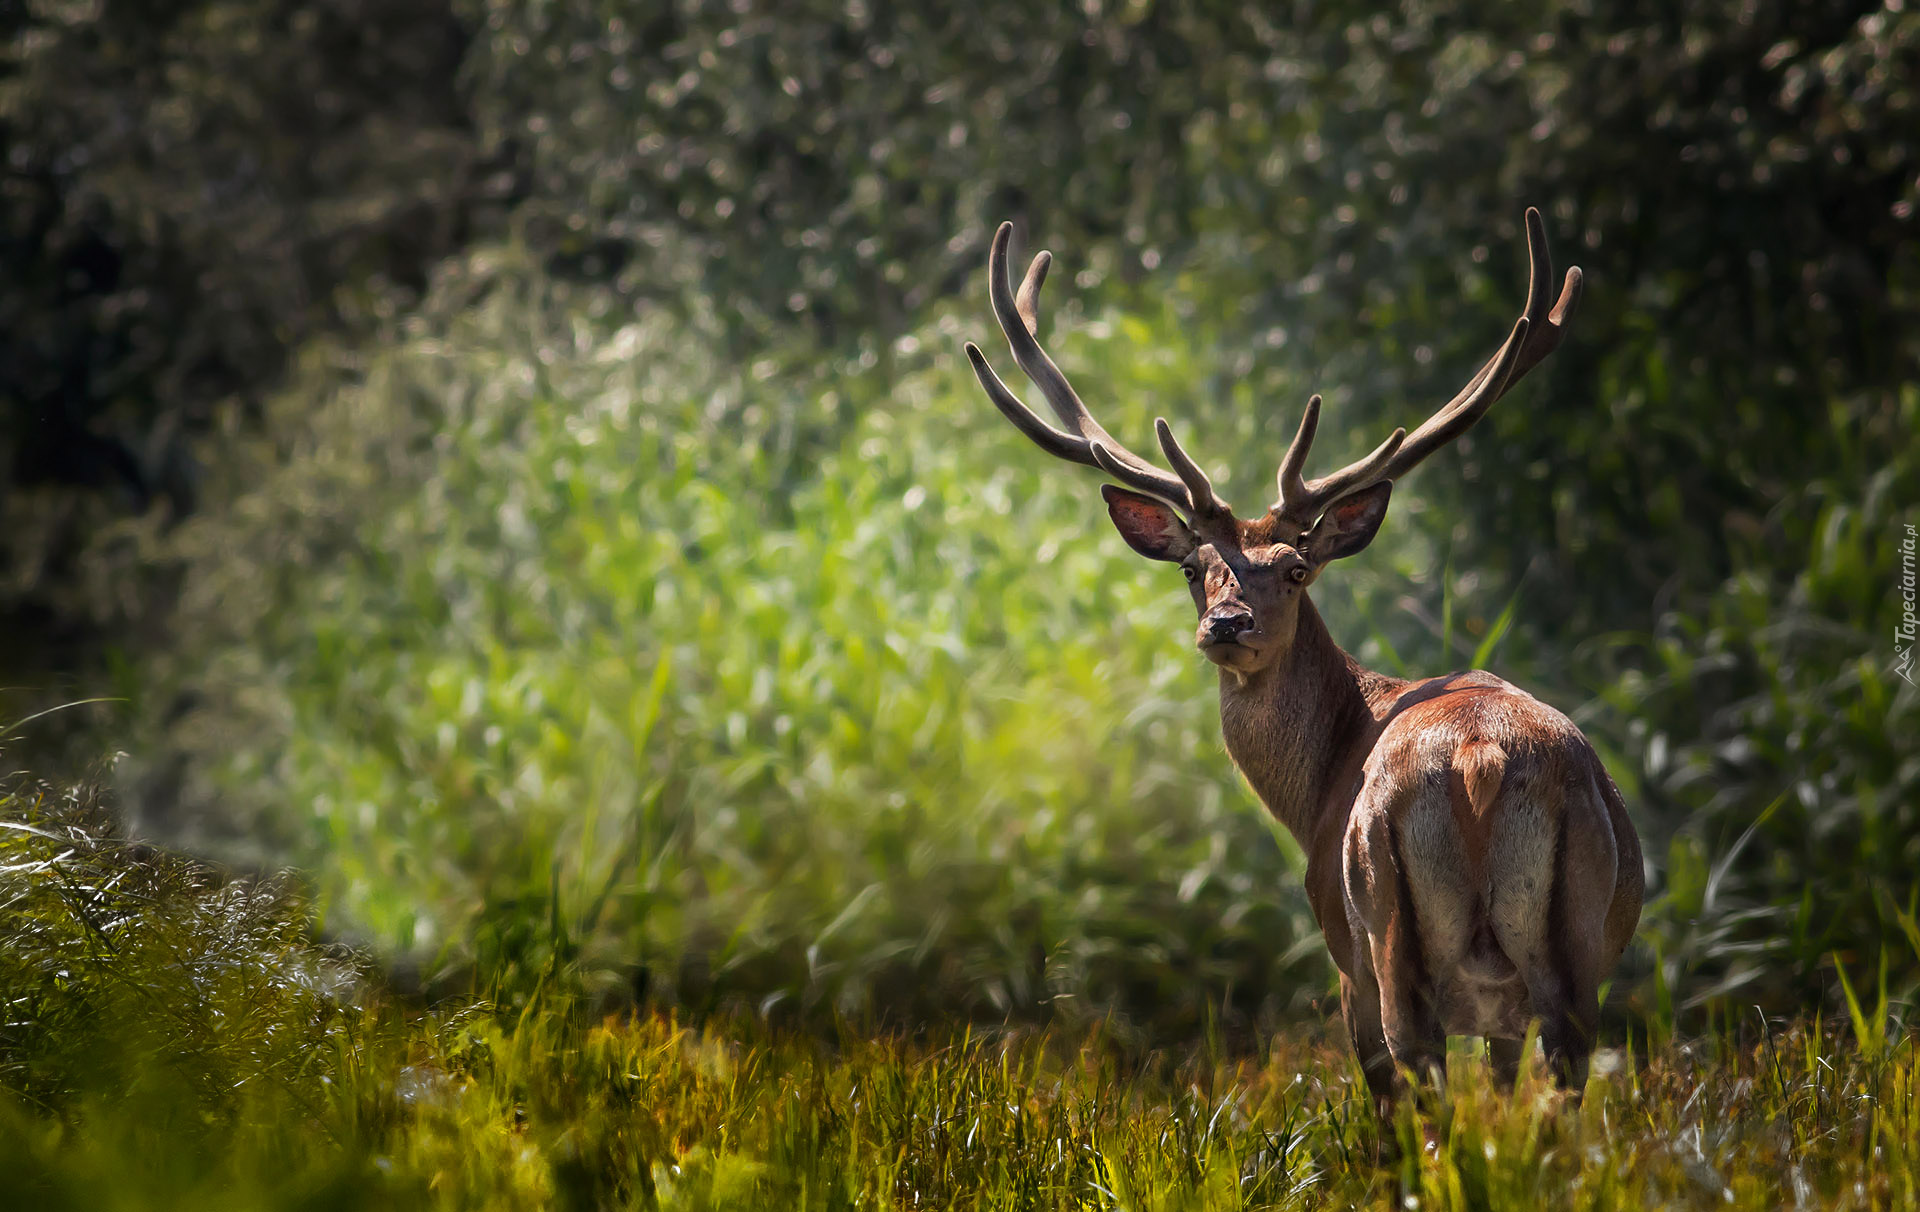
1224,628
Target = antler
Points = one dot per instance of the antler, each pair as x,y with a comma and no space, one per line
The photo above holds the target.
1537,333
1084,441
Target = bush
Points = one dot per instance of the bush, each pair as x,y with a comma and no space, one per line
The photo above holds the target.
554,641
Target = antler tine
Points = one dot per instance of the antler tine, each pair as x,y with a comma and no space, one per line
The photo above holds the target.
1027,302
1537,333
1043,435
1355,476
1019,320
1293,486
1548,327
1084,440
1199,488
1456,418
1301,499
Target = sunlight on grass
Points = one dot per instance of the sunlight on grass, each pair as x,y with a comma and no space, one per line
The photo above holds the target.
173,1040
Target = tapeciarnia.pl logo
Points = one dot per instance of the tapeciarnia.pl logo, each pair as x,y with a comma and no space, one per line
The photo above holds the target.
1909,624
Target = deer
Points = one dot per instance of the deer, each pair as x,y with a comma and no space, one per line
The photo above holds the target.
1469,861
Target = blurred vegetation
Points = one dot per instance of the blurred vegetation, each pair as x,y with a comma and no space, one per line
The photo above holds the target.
511,460
190,190
899,740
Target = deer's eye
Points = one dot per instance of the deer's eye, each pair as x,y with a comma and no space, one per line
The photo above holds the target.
1192,575
1297,573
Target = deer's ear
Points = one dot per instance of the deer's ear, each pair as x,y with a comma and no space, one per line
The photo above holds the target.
1348,525
1149,527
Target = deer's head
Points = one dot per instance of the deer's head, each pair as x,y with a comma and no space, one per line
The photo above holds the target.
1247,578
1249,575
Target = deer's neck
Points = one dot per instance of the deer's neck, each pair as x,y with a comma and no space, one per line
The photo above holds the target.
1297,729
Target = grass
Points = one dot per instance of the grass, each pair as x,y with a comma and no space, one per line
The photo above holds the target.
174,1039
544,1110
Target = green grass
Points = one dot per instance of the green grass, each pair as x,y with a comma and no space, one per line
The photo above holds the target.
548,1112
173,1039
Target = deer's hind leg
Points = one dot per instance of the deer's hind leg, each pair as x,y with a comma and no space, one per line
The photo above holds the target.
1360,1009
1381,914
1554,851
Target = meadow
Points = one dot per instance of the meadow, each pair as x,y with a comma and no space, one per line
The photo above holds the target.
175,1040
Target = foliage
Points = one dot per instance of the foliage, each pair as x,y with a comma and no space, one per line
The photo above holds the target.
192,188
1773,725
199,186
640,609
581,646
1740,179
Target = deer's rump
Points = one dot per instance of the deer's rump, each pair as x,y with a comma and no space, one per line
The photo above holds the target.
1485,825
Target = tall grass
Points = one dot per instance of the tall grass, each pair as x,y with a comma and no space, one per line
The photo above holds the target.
173,1041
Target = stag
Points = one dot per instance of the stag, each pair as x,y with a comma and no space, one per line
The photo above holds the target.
1469,860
